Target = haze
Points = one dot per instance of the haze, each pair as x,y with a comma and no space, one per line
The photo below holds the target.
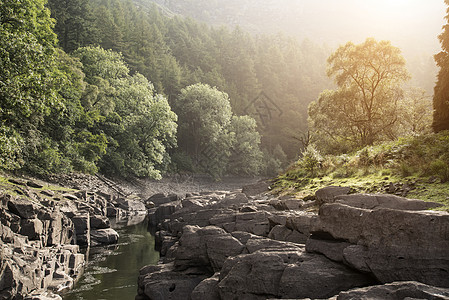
407,23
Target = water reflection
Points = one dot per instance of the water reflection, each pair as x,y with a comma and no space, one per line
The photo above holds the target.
112,271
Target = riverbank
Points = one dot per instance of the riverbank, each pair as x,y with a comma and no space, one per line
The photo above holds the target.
44,224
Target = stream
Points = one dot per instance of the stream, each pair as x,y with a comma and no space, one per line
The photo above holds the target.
111,272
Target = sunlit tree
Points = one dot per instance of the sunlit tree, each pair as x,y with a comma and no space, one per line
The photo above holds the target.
364,107
441,95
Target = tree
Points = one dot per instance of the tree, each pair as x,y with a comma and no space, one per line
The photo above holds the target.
441,94
139,125
204,117
246,157
28,79
74,23
415,113
364,108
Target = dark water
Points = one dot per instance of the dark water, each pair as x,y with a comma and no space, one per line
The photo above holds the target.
111,273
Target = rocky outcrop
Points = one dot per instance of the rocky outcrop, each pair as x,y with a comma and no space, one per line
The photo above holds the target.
396,290
391,244
27,267
41,231
249,246
248,265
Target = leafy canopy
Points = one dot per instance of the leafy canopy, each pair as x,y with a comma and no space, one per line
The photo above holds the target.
364,107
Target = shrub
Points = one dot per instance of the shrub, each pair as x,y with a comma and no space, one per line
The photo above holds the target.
440,168
311,160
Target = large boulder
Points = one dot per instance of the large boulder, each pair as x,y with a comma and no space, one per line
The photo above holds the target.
22,207
285,273
132,206
370,201
396,290
394,245
163,283
207,289
205,248
328,194
256,188
103,236
81,223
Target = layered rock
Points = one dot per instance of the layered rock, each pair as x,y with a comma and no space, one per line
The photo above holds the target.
245,265
252,247
391,243
40,234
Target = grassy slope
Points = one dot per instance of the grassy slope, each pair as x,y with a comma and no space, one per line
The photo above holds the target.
413,167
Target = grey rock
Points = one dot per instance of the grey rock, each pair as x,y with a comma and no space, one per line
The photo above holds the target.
282,233
133,206
32,228
285,273
396,290
161,283
207,289
22,207
332,249
369,201
328,194
99,222
103,236
256,188
400,245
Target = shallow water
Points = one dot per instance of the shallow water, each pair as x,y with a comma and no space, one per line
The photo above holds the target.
112,272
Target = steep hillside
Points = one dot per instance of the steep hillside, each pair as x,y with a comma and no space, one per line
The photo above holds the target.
331,23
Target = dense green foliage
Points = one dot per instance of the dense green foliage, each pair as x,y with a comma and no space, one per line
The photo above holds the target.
28,77
216,141
63,113
173,52
441,95
103,100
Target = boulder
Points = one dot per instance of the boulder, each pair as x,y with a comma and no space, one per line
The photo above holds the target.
99,222
369,201
256,188
163,212
302,222
282,233
22,207
32,228
205,248
207,289
103,236
396,290
161,283
254,222
159,199
287,204
132,206
328,194
285,273
395,245
82,229
233,200
332,249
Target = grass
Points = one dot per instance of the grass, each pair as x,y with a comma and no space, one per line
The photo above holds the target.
12,189
419,163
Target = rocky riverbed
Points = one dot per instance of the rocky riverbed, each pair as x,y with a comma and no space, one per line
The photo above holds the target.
248,244
42,228
231,243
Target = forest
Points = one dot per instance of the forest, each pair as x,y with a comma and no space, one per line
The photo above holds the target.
122,88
